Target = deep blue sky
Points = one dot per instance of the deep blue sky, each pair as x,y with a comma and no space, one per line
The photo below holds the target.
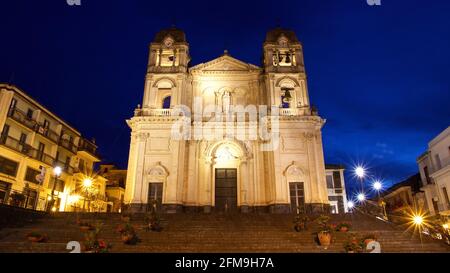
379,75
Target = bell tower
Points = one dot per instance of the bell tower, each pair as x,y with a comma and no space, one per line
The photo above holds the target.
166,70
285,71
299,126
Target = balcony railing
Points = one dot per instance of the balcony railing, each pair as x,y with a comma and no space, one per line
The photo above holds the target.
68,145
24,199
89,147
46,132
22,118
65,167
26,149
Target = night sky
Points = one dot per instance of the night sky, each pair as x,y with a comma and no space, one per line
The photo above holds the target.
379,75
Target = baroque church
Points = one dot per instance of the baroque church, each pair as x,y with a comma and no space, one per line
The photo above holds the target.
252,142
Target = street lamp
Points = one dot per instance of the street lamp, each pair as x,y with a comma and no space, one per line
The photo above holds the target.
360,172
57,173
350,205
361,197
377,186
87,184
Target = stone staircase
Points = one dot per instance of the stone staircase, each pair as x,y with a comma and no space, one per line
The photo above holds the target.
213,233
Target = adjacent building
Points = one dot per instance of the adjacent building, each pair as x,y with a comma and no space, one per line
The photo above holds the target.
115,185
405,195
33,142
336,188
434,167
252,141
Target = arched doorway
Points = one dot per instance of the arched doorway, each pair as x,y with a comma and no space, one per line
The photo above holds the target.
228,157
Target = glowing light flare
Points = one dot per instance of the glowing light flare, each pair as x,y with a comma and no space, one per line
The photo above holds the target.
73,199
57,171
360,171
377,185
87,182
361,197
418,220
54,209
350,204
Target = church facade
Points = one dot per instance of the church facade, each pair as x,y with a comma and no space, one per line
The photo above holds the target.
226,135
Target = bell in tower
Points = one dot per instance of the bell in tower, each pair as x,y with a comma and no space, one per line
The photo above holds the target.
169,52
282,51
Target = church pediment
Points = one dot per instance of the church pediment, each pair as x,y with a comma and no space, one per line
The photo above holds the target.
225,64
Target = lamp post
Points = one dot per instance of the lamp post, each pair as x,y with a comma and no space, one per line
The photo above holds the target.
87,184
377,186
57,173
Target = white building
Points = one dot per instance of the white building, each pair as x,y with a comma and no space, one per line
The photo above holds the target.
434,167
336,188
266,162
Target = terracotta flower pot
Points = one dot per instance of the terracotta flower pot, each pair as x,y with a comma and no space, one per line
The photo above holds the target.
126,238
343,229
324,239
35,239
367,241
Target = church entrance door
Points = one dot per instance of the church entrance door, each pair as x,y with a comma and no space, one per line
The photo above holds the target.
226,190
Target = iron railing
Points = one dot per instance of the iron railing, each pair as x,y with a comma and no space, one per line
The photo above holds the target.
26,149
24,199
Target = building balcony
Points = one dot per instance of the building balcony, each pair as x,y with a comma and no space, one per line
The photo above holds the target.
46,132
70,146
26,150
22,118
65,167
88,148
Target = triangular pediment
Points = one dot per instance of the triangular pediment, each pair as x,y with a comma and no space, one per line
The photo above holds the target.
225,63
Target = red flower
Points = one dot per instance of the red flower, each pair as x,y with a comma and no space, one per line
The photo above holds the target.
101,244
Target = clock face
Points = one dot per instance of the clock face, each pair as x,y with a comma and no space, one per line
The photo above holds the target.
168,42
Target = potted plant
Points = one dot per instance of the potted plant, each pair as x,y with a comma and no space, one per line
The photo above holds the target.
300,223
153,222
353,245
325,230
128,234
343,227
37,237
93,244
369,238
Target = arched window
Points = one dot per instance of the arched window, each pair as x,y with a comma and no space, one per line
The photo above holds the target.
166,102
286,97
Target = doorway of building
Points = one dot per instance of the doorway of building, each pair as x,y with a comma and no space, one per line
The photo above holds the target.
155,191
297,194
226,190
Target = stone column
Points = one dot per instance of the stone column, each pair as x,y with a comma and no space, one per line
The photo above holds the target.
139,173
209,165
244,185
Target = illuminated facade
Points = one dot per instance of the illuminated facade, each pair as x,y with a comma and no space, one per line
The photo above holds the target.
33,142
434,167
221,160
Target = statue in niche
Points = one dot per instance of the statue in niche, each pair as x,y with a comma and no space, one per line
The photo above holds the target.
226,102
